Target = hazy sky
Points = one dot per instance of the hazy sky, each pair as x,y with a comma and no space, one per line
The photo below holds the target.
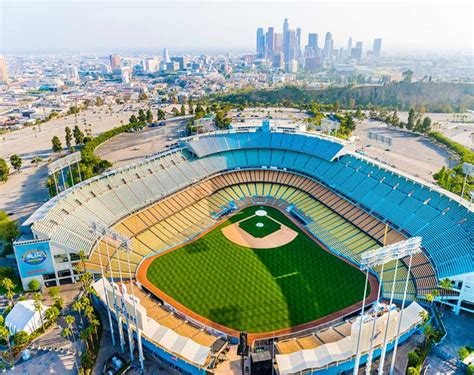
229,25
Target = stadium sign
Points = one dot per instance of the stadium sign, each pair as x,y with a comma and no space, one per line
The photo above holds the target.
33,258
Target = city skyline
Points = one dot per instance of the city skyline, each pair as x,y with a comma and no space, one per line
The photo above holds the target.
33,26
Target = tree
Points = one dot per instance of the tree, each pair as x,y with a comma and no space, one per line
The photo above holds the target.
57,146
4,170
429,298
5,334
77,307
141,115
53,292
21,338
424,316
78,135
426,125
37,297
160,115
68,137
149,116
34,285
358,114
407,76
413,359
411,119
337,106
52,314
175,111
133,119
395,120
15,161
183,110
8,229
142,96
9,286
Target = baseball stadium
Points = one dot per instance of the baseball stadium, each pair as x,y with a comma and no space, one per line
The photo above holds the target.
253,246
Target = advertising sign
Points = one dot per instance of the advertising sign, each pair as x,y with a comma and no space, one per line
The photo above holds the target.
34,258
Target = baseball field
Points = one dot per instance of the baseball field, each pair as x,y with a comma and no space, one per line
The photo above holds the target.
257,271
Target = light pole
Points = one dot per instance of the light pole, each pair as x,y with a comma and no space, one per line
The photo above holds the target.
378,257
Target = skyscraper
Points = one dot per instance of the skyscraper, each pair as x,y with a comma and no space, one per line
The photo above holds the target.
328,44
166,56
286,28
290,49
356,53
377,47
313,40
115,62
278,42
349,44
3,71
260,43
270,42
298,42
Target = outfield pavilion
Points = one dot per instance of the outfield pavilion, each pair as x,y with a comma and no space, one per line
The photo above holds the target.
170,198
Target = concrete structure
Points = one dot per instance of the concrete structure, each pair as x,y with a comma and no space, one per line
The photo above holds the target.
3,71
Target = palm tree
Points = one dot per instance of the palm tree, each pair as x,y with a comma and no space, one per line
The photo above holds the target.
77,307
424,316
53,292
428,331
39,306
447,285
9,285
52,314
82,256
5,334
66,332
95,323
429,298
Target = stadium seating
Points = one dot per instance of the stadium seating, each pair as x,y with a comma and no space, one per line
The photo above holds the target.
352,198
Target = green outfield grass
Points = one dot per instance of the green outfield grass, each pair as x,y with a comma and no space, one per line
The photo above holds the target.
257,290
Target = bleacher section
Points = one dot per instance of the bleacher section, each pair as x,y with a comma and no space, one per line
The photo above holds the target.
205,145
183,216
358,191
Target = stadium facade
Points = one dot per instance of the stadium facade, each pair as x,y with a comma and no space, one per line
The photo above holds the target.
174,196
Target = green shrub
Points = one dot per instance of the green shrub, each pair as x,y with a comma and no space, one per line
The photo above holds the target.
34,285
413,359
413,371
463,353
21,338
470,369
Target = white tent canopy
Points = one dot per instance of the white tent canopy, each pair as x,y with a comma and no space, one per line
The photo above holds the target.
23,317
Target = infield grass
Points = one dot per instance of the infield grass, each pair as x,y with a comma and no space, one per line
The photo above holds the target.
257,290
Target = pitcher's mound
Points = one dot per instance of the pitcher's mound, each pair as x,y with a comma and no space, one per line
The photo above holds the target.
240,237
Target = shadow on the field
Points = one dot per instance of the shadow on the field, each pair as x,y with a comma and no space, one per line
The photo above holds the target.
231,315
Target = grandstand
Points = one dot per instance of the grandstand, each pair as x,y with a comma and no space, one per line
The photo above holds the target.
352,205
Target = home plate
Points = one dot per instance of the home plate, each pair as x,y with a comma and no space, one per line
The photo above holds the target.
261,213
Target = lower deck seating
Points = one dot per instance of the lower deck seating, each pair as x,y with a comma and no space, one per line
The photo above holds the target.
342,226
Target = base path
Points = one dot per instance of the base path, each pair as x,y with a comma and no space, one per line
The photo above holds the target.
141,277
237,235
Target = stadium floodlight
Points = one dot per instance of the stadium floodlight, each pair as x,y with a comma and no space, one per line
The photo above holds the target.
379,257
395,251
121,243
65,162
